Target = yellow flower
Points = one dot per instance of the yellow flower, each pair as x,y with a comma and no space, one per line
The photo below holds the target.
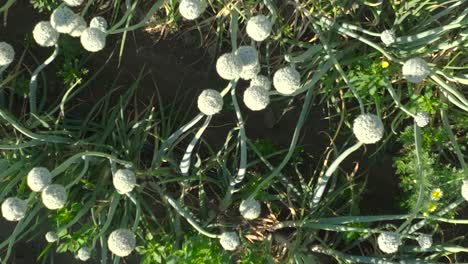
432,207
385,64
425,214
436,194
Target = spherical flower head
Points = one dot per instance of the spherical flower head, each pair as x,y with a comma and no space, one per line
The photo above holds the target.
14,209
124,181
83,254
45,35
436,194
368,128
210,102
192,9
250,209
51,237
229,241
229,66
121,242
424,241
38,178
389,242
422,119
54,196
7,54
259,27
248,72
78,25
287,80
247,55
415,70
93,39
464,190
99,23
61,19
388,37
73,2
262,81
256,98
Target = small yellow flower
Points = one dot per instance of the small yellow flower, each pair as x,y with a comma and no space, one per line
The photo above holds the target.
385,64
432,207
436,194
425,214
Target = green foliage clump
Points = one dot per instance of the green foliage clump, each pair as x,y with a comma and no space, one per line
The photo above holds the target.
195,249
437,173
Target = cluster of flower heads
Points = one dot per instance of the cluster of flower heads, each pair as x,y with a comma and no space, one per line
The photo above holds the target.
64,21
121,242
54,196
389,242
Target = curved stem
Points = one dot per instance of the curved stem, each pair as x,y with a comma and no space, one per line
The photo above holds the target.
188,217
397,100
322,181
62,167
33,81
26,132
243,138
185,163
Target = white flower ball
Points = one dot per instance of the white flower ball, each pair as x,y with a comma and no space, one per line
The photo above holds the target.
247,55
121,242
422,119
259,27
73,2
14,209
99,23
7,54
45,35
192,9
389,242
262,81
61,19
93,39
248,72
388,37
250,209
84,254
229,66
464,190
287,80
229,241
78,25
256,98
424,241
124,181
368,128
54,196
38,178
51,237
415,70
210,102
